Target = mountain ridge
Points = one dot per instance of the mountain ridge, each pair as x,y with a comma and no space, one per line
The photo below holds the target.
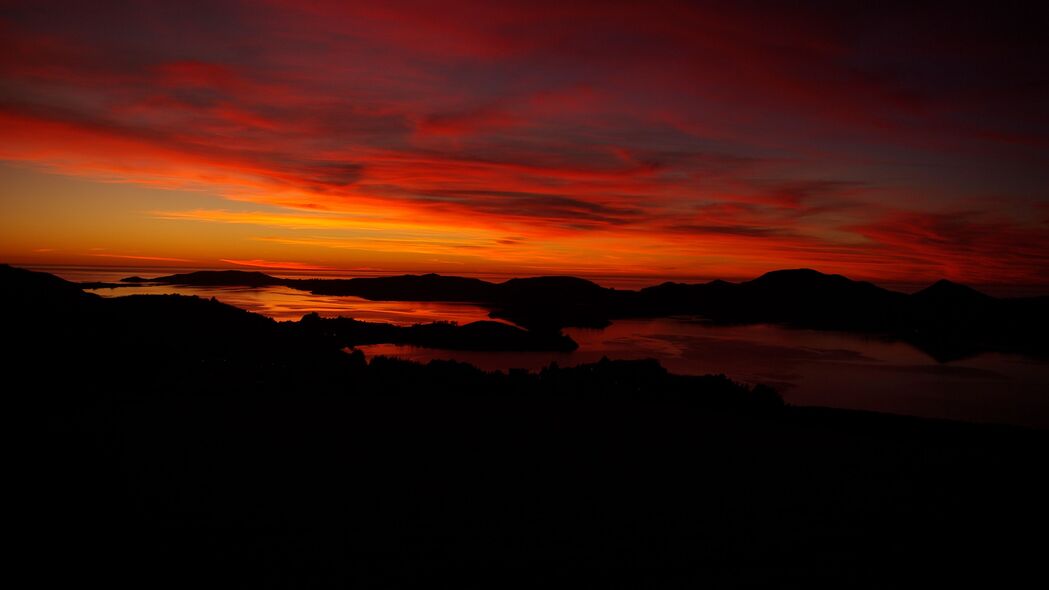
946,319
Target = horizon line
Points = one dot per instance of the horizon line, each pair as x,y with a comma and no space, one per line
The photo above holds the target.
1002,289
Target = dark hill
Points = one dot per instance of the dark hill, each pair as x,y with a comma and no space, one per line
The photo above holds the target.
213,278
946,320
808,298
554,288
550,303
21,288
178,320
953,320
806,282
428,287
944,291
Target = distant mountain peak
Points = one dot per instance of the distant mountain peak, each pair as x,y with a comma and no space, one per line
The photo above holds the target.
797,276
555,280
795,273
945,289
213,277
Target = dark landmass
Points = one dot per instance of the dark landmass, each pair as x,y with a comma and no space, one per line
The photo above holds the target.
472,336
213,278
186,442
946,320
100,285
345,332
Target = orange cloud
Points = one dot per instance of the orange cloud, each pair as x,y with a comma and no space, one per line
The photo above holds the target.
667,139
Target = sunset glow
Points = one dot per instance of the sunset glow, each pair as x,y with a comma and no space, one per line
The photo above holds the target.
489,293
654,139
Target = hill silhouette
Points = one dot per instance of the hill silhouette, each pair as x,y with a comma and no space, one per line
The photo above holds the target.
944,291
946,320
240,278
180,313
428,287
179,439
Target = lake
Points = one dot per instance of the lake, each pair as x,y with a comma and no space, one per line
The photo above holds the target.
807,367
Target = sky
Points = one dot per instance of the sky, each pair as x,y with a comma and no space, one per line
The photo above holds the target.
665,139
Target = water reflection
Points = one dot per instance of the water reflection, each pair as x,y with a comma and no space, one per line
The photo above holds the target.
808,367
285,303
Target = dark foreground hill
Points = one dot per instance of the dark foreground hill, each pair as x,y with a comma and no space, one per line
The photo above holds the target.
184,442
946,320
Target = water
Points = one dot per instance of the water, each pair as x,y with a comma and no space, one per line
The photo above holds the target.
282,303
285,303
808,367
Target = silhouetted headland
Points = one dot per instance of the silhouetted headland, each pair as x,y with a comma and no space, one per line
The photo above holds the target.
484,335
184,440
947,320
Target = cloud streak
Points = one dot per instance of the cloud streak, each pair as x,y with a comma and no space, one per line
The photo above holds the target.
670,138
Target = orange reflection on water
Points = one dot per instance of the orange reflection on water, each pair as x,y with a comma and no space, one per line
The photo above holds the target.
287,304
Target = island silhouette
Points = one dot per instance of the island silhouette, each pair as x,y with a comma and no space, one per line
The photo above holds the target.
946,320
183,439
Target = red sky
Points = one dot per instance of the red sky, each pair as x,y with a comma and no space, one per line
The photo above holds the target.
671,139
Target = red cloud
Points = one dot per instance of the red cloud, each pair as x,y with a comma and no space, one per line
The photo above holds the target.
669,137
